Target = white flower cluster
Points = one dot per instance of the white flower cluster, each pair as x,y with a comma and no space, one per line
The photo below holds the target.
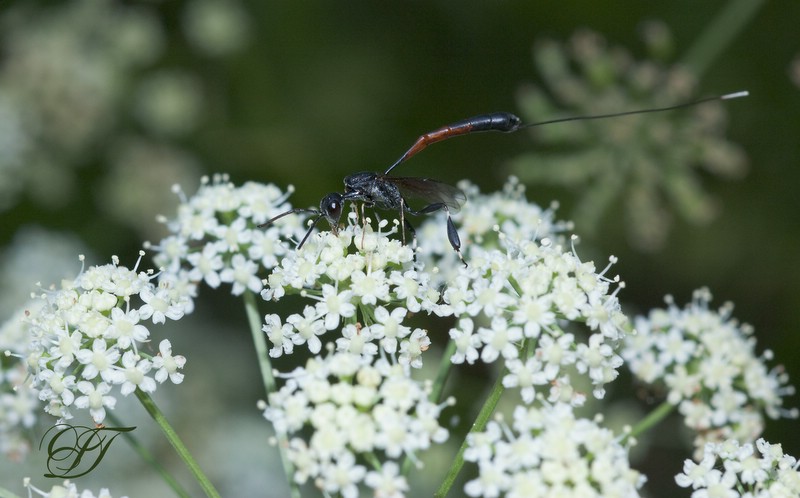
19,403
731,470
66,490
549,452
86,337
516,294
538,292
481,220
215,237
356,405
707,362
373,280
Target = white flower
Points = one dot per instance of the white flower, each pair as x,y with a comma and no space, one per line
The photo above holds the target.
407,285
370,287
334,305
523,288
133,373
389,328
125,328
356,340
525,376
411,349
95,399
388,483
242,274
466,342
279,335
499,339
206,265
307,329
167,365
159,305
266,247
57,386
342,476
98,360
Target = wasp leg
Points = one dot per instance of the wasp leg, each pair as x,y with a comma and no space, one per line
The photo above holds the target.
452,233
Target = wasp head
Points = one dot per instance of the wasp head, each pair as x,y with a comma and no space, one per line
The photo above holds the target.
331,208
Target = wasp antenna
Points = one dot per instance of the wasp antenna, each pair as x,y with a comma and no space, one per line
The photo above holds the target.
287,213
310,229
727,96
735,95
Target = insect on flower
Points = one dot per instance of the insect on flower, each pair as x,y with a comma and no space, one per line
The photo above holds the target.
380,190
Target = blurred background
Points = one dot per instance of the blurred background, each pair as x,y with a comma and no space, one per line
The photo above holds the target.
105,105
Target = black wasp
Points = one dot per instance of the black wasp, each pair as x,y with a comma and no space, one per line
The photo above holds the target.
390,192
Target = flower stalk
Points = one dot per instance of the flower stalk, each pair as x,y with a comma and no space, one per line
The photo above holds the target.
264,364
148,457
172,436
479,425
722,31
651,420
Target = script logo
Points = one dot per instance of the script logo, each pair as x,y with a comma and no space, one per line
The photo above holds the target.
72,446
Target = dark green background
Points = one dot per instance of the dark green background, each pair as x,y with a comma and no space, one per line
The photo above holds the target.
329,88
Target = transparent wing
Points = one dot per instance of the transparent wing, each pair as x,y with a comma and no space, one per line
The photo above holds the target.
429,191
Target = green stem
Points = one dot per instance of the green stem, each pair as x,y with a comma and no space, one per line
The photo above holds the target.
438,386
148,457
651,420
443,372
176,443
260,342
719,34
480,423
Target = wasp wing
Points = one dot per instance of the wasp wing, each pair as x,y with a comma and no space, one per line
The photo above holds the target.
429,190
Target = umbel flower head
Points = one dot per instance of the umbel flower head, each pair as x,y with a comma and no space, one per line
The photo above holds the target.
526,285
215,239
732,469
549,315
707,363
88,339
548,451
523,299
19,402
355,404
649,160
480,223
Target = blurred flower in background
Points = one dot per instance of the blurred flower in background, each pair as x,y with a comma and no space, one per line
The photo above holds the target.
651,163
216,28
64,73
135,188
168,103
85,81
